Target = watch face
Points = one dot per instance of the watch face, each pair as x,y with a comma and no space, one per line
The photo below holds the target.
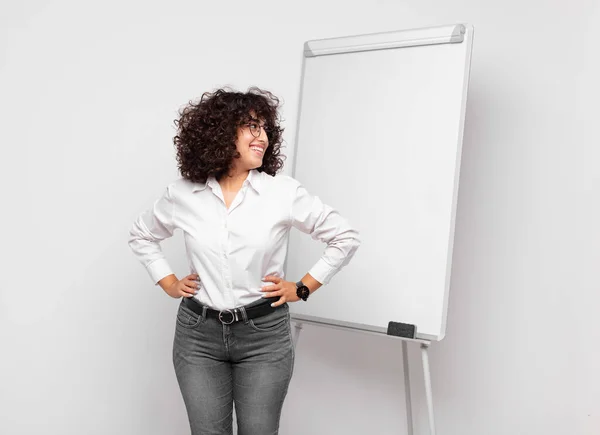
303,292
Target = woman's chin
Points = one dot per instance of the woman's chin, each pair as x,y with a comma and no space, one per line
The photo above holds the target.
257,163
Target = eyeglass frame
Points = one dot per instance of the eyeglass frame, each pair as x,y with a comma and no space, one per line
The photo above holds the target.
267,130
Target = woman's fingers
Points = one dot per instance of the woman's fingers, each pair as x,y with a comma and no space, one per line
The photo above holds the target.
281,301
192,277
273,294
270,291
190,285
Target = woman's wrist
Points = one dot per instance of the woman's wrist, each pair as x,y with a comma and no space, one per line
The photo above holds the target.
311,282
167,281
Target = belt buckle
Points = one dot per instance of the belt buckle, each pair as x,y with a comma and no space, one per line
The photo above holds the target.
221,317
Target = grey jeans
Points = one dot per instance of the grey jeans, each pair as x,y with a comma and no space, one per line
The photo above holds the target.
248,363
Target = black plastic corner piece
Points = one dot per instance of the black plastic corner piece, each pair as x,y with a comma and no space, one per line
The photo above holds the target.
401,330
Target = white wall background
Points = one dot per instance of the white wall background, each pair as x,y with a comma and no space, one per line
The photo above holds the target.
88,94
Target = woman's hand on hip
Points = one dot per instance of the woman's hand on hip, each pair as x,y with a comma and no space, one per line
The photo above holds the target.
186,287
286,290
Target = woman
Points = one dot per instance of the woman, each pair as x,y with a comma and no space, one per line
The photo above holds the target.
233,339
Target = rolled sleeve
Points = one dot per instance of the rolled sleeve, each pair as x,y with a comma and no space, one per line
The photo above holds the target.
152,226
311,216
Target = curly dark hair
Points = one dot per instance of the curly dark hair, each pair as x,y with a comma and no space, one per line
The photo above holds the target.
207,130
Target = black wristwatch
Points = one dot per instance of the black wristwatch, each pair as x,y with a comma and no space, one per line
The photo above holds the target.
302,291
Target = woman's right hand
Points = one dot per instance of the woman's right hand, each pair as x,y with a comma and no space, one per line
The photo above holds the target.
186,287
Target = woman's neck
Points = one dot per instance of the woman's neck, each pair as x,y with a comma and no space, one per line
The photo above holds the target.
234,180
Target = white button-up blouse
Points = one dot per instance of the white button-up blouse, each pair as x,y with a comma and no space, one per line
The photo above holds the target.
233,249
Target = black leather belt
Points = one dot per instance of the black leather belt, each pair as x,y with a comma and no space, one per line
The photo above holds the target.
229,316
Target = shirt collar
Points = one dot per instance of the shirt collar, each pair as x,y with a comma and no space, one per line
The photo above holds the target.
254,179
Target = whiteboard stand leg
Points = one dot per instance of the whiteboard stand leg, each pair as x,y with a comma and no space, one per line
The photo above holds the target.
409,414
296,337
428,393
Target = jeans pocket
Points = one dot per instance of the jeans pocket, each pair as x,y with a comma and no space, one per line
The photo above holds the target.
272,321
187,318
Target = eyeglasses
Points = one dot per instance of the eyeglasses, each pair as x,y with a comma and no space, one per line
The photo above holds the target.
255,128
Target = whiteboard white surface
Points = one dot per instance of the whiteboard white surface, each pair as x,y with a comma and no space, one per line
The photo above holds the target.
379,139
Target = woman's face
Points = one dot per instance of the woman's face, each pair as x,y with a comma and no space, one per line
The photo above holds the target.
251,148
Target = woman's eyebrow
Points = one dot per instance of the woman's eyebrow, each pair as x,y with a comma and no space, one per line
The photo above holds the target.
258,121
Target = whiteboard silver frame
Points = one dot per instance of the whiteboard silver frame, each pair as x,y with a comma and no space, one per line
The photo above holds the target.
381,41
450,34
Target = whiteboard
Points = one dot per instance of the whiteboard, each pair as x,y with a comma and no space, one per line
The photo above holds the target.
379,139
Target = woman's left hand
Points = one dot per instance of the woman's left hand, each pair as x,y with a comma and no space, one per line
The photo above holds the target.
285,289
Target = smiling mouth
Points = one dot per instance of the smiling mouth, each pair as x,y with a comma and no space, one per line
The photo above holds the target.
257,149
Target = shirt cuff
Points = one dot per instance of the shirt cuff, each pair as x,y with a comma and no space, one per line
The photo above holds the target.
322,271
159,269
